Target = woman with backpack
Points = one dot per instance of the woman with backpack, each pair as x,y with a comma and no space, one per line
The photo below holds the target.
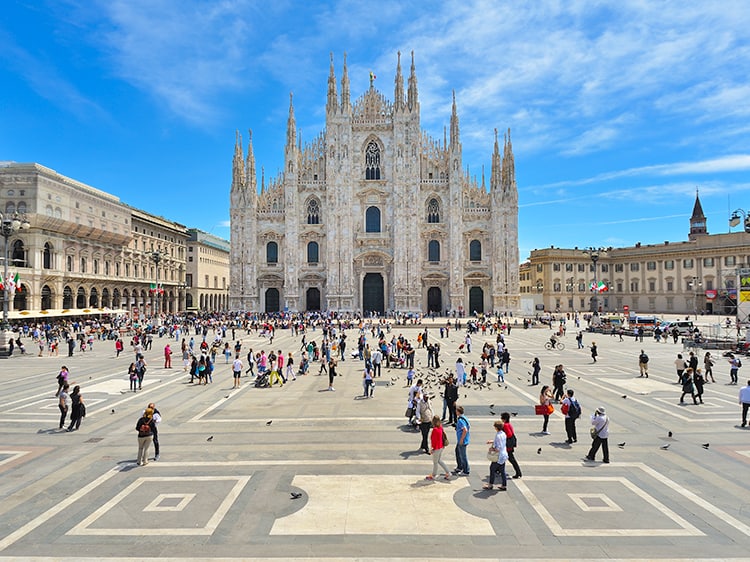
572,410
438,441
145,428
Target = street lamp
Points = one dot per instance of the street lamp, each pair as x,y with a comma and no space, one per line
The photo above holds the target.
10,225
734,220
594,254
181,289
157,257
697,286
570,286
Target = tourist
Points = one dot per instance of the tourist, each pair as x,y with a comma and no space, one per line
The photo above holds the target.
78,410
511,443
734,365
167,357
498,464
572,410
438,440
708,363
462,442
155,429
745,402
62,379
545,400
425,415
599,435
64,403
145,428
237,371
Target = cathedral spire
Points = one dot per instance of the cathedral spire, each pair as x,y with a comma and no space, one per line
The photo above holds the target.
238,176
262,179
345,96
412,100
509,168
495,171
333,98
455,136
250,179
398,93
291,125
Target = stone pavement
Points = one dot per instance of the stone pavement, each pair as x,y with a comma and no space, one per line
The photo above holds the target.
364,497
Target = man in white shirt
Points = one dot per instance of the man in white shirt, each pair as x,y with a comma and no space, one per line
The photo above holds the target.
237,370
377,359
745,401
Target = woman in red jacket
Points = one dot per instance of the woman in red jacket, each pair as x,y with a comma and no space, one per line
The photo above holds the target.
438,441
511,443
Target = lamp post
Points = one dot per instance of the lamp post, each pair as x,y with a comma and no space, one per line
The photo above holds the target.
594,254
10,225
697,286
734,220
156,256
570,286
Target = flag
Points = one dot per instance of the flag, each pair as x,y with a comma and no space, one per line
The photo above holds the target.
372,76
2,282
12,284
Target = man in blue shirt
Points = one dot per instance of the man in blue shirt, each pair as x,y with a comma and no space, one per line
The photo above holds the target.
462,441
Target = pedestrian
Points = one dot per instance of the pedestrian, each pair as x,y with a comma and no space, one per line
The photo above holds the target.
451,397
687,386
64,403
62,379
579,340
118,347
511,443
250,363
140,370
708,363
680,365
78,409
497,465
643,364
290,366
745,402
438,441
500,373
734,365
145,428
599,434
460,372
425,415
463,429
699,381
155,429
167,357
237,371
545,401
331,373
368,382
594,351
558,382
536,367
572,410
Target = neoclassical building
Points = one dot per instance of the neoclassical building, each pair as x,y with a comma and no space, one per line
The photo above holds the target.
86,249
694,276
374,215
207,276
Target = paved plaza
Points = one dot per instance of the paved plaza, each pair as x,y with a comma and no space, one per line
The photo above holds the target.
230,460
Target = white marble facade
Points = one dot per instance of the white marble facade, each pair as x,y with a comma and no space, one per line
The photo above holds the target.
374,215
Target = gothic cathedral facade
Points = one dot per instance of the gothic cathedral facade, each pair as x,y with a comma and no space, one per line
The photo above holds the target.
374,216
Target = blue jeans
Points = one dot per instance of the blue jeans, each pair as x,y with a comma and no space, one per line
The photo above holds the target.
462,463
496,467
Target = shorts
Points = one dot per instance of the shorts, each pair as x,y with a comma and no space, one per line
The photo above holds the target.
236,374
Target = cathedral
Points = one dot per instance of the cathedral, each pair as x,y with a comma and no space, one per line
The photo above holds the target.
374,215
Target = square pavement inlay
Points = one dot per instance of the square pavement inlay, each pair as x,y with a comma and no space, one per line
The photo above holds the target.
153,505
592,512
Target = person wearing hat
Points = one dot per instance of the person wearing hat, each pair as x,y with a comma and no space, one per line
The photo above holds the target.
599,434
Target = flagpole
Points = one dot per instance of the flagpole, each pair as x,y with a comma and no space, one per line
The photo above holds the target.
10,225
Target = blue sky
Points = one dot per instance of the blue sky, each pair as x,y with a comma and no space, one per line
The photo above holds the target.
618,110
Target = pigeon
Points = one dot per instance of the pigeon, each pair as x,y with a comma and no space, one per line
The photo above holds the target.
621,445
514,414
624,395
210,438
296,495
492,413
492,406
269,422
113,410
539,451
669,434
227,396
665,446
705,445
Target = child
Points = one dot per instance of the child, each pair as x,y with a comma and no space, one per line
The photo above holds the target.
500,374
410,376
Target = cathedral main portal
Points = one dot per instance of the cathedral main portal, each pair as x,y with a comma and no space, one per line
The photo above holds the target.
373,293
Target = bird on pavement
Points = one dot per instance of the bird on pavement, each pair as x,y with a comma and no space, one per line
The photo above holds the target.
621,445
539,451
210,438
269,422
669,434
705,445
296,495
665,446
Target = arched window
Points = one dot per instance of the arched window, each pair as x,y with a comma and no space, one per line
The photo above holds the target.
18,256
475,250
312,252
69,263
83,268
272,252
48,210
10,208
433,251
313,211
21,208
433,211
372,219
47,256
46,298
372,161
67,297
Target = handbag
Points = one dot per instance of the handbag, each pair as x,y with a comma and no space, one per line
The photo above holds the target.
550,409
594,433
540,410
512,442
409,413
492,454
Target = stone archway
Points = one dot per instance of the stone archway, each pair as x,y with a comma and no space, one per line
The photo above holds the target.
373,293
312,298
476,300
273,300
434,299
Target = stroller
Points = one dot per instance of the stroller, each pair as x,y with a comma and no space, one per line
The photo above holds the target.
261,381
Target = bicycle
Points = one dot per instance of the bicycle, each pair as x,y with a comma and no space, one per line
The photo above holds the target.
557,345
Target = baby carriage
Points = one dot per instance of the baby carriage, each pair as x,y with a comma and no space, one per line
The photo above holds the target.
261,381
460,348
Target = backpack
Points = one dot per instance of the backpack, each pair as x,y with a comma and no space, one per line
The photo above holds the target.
574,410
739,363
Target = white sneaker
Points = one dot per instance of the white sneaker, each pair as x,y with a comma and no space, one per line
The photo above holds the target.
545,432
